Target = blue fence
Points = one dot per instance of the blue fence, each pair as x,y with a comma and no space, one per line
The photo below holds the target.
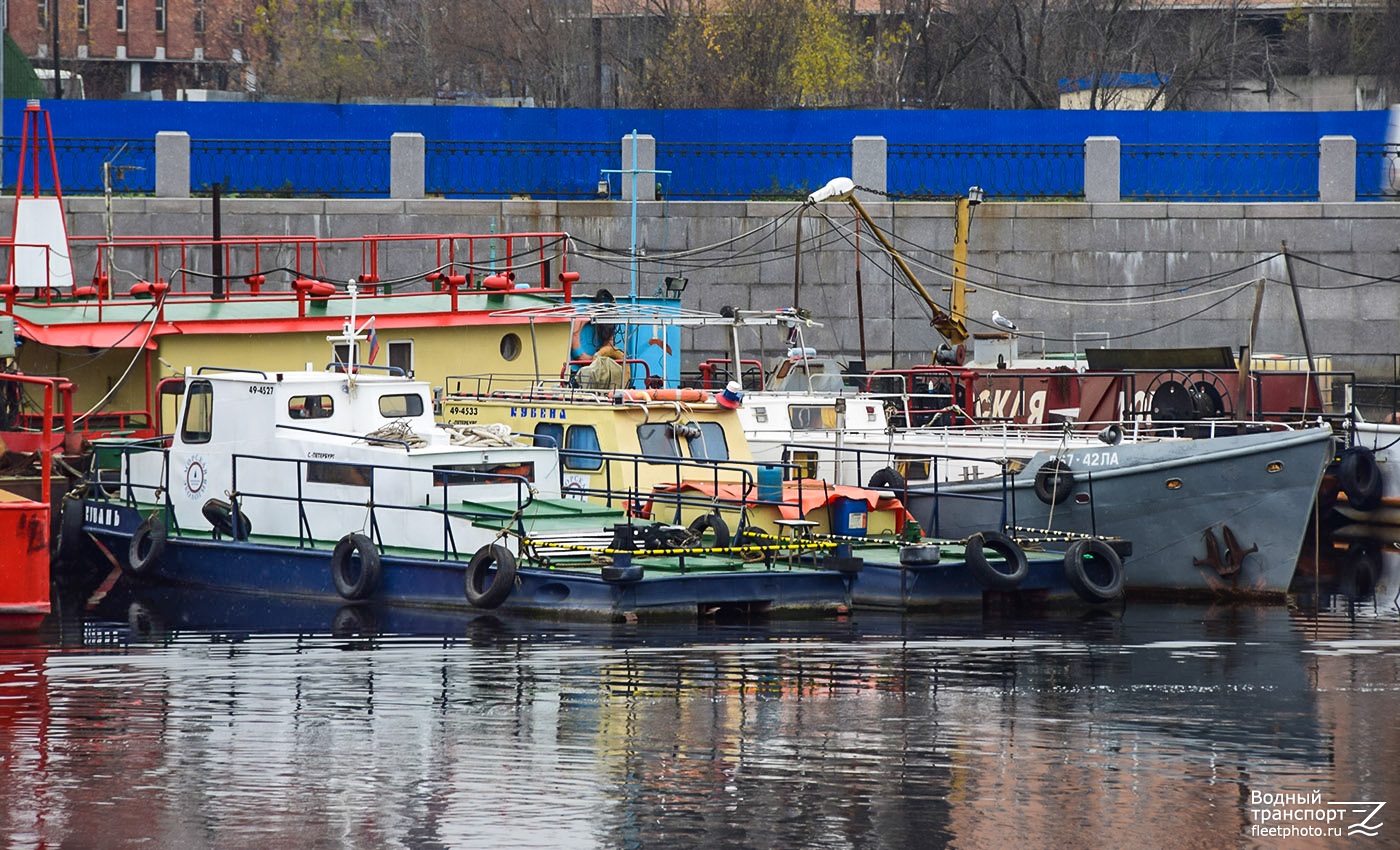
710,154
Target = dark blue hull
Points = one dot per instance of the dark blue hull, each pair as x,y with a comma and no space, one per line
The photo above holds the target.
951,585
289,570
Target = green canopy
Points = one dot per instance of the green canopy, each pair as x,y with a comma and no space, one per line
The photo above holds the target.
20,80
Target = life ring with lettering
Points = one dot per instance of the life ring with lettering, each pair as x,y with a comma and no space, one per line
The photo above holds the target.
220,516
1053,482
1360,477
887,479
490,594
352,580
689,395
147,545
1008,573
1094,570
713,523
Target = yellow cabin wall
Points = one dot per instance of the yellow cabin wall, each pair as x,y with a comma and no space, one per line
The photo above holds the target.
437,353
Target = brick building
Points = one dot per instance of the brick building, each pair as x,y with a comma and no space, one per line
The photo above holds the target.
173,47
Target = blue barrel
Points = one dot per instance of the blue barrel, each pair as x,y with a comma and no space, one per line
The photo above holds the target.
849,517
770,483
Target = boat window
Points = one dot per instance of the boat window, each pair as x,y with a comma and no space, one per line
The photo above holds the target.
311,407
581,449
807,417
401,355
198,424
658,442
913,467
400,404
348,474
805,463
709,444
483,473
551,430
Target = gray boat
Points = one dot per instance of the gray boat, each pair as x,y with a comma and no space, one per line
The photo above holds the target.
1217,516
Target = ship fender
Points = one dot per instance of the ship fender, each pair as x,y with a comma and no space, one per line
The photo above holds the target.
1094,570
709,522
1005,576
70,530
1053,482
351,581
887,479
147,545
1360,478
220,516
479,592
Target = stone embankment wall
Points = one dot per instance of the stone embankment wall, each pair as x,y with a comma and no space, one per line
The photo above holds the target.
1071,274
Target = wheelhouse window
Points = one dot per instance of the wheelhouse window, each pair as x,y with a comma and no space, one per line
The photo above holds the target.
709,444
658,442
581,449
400,405
347,474
311,407
198,423
458,474
809,417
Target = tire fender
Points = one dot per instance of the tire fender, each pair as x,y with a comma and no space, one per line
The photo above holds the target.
147,545
1094,570
1054,482
710,522
349,582
992,577
479,592
1360,478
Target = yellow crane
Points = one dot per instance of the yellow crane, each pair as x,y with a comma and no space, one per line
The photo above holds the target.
949,323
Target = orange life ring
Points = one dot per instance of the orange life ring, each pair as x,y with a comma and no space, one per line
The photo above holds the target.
690,395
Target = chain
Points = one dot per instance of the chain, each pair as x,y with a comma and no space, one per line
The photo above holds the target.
905,196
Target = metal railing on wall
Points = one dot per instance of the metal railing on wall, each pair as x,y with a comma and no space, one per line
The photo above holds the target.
1219,172
508,169
719,172
1017,171
715,172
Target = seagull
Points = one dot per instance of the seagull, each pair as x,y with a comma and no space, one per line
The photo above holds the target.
1002,322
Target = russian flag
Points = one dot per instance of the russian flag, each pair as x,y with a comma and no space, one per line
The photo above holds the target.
373,342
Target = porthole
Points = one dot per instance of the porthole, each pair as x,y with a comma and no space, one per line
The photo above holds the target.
510,347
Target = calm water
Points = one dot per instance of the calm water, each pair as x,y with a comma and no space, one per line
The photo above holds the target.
198,720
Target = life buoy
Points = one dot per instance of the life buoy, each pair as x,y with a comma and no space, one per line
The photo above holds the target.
479,592
1005,576
353,582
887,479
710,522
1053,482
688,395
147,545
1360,477
1094,570
220,516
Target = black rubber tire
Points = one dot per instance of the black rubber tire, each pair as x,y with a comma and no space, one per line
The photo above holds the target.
220,515
483,595
147,545
1094,570
1360,478
70,531
351,583
990,576
622,575
887,479
1054,482
710,522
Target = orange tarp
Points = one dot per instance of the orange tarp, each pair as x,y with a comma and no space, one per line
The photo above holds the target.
812,493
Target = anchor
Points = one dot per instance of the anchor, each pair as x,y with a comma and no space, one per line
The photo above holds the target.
1226,564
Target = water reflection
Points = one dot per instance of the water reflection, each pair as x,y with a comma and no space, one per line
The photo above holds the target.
207,720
